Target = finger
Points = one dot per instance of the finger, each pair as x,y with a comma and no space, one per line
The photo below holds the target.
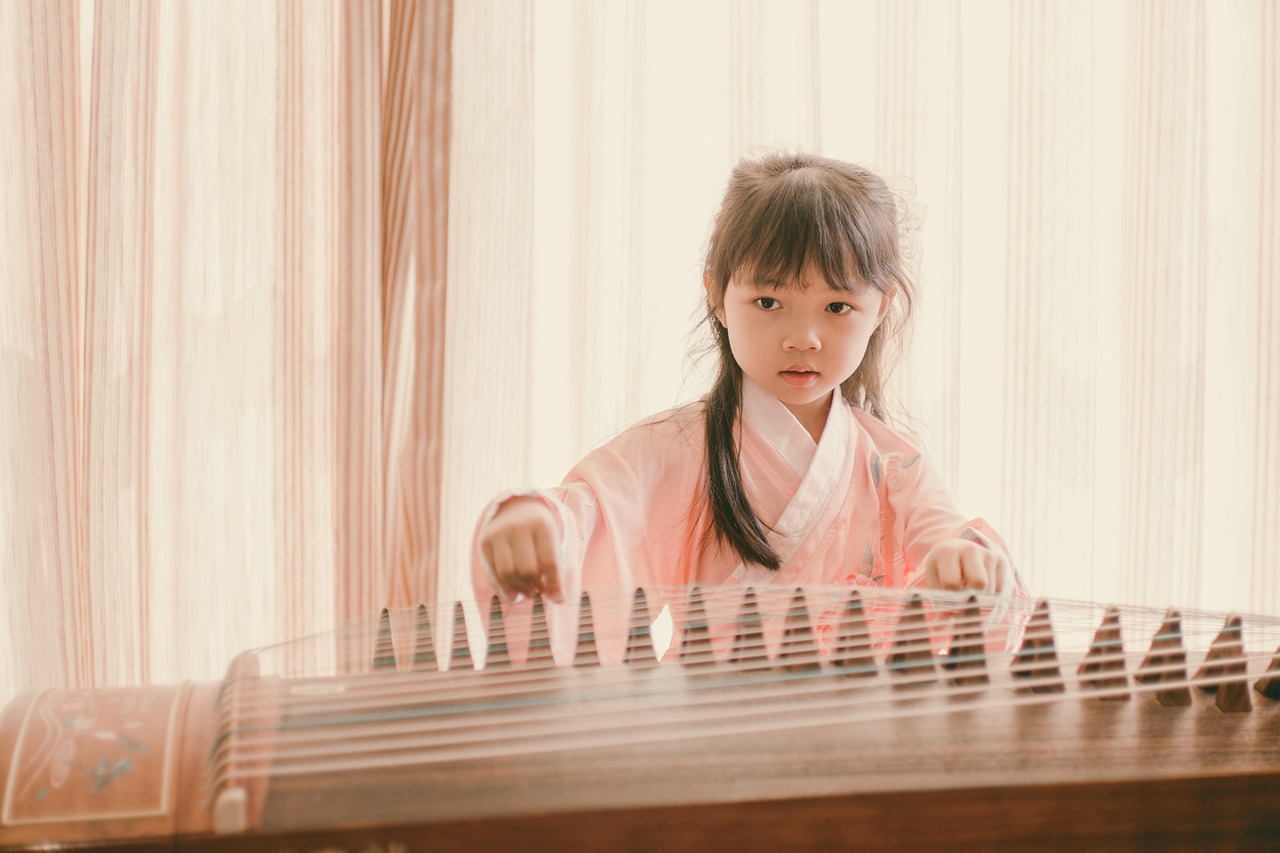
990,571
524,563
499,556
509,585
1003,573
949,573
974,572
545,549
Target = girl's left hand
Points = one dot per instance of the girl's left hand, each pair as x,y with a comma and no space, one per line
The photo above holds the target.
964,564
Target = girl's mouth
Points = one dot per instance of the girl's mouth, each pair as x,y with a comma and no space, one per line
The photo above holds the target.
799,378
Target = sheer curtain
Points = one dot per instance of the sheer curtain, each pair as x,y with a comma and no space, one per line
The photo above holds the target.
288,290
222,244
1096,363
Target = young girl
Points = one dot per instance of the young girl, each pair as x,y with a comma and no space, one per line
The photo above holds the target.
785,474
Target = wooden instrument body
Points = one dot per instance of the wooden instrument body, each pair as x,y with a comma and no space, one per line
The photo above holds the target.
114,768
1070,770
755,755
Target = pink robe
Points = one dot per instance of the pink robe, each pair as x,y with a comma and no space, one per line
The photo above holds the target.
860,508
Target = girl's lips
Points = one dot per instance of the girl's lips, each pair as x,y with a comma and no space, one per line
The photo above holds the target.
798,378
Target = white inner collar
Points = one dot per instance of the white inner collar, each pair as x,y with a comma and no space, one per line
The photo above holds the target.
781,428
819,465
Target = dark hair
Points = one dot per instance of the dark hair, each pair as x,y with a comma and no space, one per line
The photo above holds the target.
780,213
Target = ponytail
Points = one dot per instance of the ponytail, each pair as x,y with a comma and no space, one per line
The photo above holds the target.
733,520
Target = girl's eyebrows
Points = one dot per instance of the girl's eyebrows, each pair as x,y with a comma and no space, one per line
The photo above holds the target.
765,282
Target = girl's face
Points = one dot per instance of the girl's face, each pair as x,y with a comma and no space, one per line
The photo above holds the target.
800,338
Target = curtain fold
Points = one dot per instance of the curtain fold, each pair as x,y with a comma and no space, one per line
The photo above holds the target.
204,257
357,322
46,613
1264,544
487,316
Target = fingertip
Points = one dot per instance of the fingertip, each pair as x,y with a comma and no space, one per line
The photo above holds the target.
551,582
554,588
551,589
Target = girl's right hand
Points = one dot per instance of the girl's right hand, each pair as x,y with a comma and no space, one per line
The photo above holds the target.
520,545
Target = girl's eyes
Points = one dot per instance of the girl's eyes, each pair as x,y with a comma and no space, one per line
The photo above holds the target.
768,303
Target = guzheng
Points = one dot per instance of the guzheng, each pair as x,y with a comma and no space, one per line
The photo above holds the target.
774,719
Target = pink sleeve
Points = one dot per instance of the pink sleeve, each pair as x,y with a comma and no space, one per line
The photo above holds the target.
926,515
600,509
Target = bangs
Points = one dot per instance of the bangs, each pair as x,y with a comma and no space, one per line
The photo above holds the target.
800,218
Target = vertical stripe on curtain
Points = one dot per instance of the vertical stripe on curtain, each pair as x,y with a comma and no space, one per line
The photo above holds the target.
1264,545
44,611
306,152
432,150
1163,484
916,137
1241,386
400,255
217,467
606,347
415,151
487,315
119,305
357,324
1049,385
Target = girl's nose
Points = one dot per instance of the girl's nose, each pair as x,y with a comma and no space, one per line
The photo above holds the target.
802,335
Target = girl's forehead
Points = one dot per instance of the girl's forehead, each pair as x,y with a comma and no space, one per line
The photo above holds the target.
809,280
810,276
